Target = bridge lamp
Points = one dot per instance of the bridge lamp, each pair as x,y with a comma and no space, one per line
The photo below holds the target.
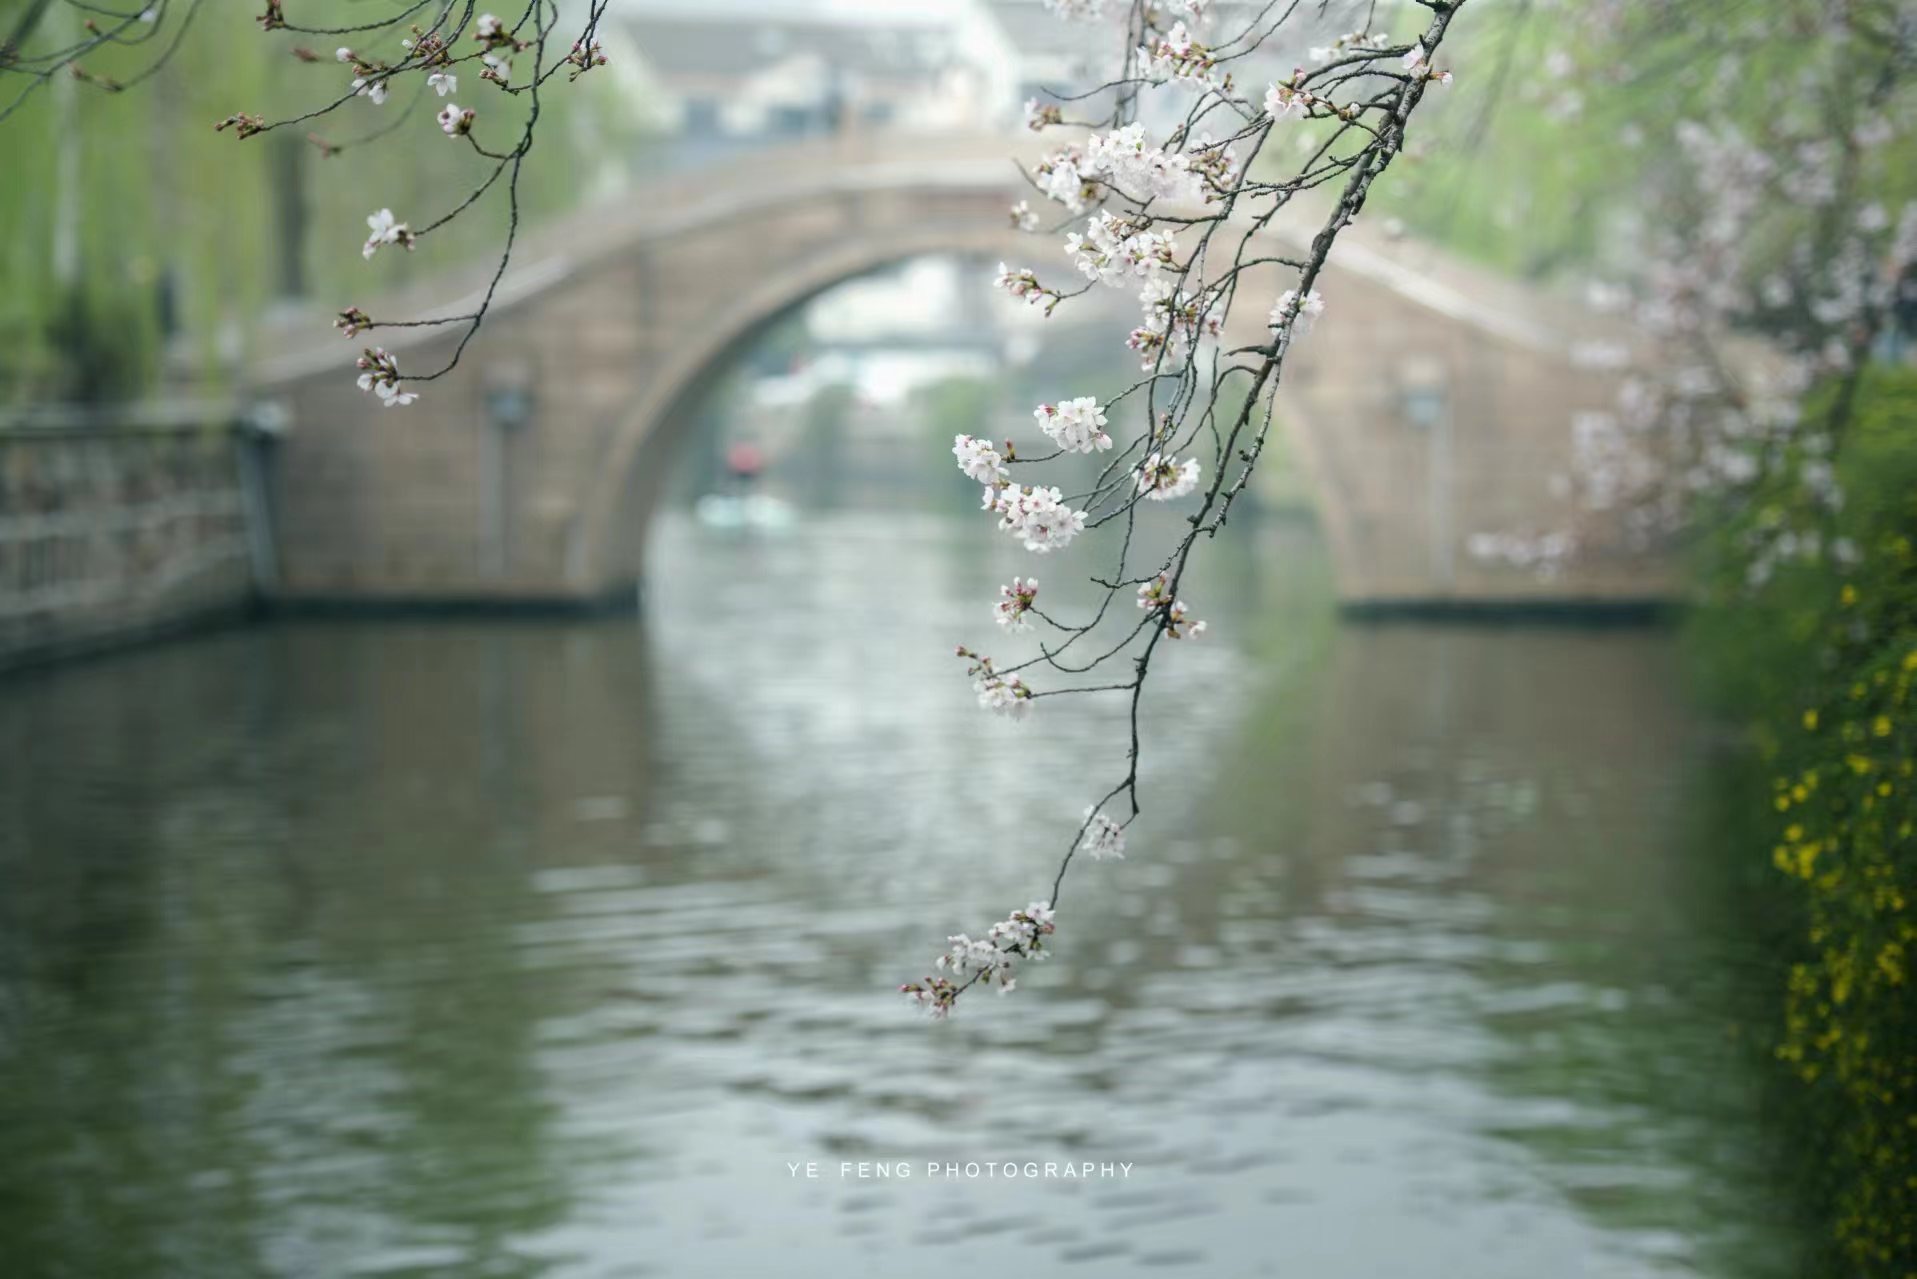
509,405
1423,405
1421,392
1424,402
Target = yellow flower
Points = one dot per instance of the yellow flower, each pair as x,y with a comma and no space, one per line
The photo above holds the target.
1810,716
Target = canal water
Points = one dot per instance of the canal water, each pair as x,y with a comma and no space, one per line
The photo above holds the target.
540,948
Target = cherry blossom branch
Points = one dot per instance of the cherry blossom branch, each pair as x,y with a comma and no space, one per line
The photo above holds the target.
1133,199
39,69
389,52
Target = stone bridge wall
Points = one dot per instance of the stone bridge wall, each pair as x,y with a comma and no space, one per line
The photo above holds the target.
122,526
1433,403
602,328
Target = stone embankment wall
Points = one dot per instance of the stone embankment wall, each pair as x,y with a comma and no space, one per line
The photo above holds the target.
122,525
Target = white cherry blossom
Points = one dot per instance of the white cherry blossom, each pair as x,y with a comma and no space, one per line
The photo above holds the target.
1063,177
979,460
1283,101
1296,312
1023,283
1179,623
1006,695
386,230
1103,837
1113,248
1078,426
1015,601
990,960
1175,56
1127,160
1036,515
1041,115
1162,478
379,374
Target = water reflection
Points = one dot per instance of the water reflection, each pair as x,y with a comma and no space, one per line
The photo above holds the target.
544,949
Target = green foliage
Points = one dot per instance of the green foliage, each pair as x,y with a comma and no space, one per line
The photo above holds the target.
1828,666
120,210
1554,150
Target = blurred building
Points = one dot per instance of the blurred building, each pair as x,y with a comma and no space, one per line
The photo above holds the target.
734,79
729,75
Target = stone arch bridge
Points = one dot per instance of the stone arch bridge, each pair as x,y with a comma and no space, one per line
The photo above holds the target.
1431,403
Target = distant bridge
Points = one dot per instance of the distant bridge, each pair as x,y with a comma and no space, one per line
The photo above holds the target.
1431,402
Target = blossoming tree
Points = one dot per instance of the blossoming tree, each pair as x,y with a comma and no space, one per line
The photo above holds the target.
1766,255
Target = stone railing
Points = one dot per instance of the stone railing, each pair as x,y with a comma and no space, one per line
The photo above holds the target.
122,523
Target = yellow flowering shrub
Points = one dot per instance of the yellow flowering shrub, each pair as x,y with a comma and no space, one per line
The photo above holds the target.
1831,679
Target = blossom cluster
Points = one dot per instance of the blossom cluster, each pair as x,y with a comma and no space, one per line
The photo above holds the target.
455,121
991,960
379,374
1015,601
1177,620
1778,227
386,230
1174,321
1179,624
1042,115
1102,837
980,461
584,57
1286,101
1124,160
1036,514
1175,56
1112,248
1077,426
1164,478
1296,313
1023,284
1005,694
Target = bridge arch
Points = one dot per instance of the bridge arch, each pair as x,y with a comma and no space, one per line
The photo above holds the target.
624,493
1430,403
